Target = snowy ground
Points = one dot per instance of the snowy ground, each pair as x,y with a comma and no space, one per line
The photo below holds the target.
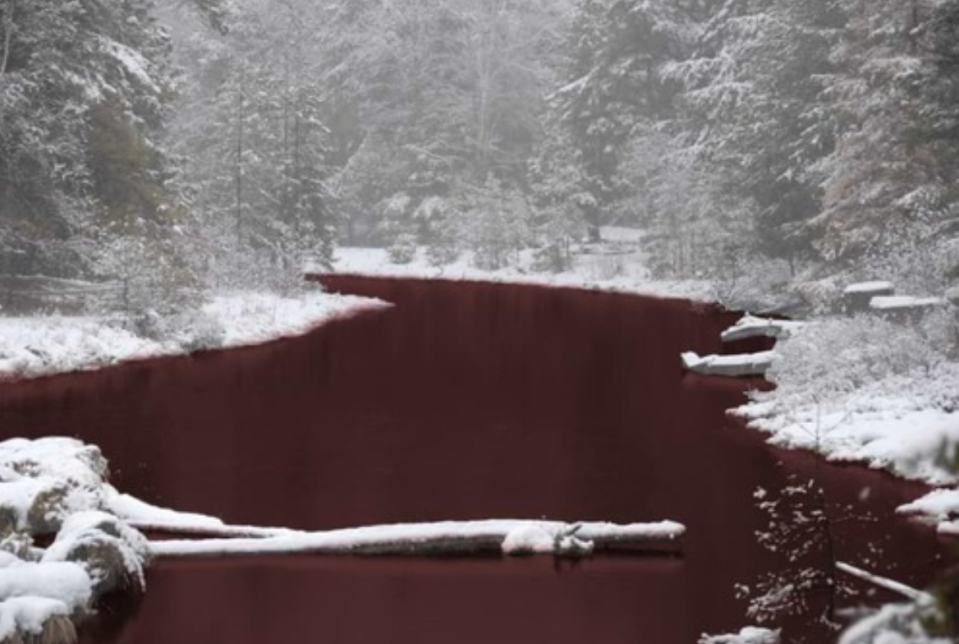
616,264
868,390
37,346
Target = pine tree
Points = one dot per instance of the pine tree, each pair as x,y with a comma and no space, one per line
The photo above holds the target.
84,91
882,186
614,86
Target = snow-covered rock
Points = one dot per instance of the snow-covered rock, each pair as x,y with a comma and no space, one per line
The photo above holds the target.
39,618
113,554
44,481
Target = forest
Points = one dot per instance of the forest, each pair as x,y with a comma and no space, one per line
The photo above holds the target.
206,143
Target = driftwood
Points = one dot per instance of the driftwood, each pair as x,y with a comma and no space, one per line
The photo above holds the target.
757,327
449,539
733,366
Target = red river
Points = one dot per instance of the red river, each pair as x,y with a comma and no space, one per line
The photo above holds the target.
461,401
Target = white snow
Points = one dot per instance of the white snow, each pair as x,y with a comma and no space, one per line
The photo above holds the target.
65,582
938,504
531,538
252,318
940,507
893,302
28,615
136,512
893,624
735,364
863,389
869,287
890,433
132,61
608,271
67,471
145,516
515,537
751,326
900,588
93,529
748,635
37,346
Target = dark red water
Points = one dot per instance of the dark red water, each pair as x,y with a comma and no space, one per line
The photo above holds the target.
464,401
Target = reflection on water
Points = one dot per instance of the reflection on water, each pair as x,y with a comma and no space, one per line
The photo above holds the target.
461,402
625,600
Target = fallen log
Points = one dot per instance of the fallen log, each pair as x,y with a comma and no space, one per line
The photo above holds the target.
508,537
733,366
756,327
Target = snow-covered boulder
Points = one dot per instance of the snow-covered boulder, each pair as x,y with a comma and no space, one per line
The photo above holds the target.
36,620
44,481
113,553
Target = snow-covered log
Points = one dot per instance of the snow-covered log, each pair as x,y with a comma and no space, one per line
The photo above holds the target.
750,326
892,585
510,537
748,635
904,308
856,297
738,365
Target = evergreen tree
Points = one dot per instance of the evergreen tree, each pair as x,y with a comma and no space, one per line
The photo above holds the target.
883,187
84,95
614,86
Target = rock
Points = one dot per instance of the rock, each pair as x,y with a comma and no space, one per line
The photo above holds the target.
113,553
47,511
56,630
35,620
18,544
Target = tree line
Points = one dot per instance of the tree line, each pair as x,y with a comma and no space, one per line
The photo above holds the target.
207,141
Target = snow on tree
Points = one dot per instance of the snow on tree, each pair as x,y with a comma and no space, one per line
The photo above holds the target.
883,186
258,157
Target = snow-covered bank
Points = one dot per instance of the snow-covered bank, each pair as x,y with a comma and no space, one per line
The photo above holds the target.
38,346
873,391
864,389
605,269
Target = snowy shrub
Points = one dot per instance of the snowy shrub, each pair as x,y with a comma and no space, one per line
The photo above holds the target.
750,282
607,267
442,247
896,624
827,359
403,249
191,329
